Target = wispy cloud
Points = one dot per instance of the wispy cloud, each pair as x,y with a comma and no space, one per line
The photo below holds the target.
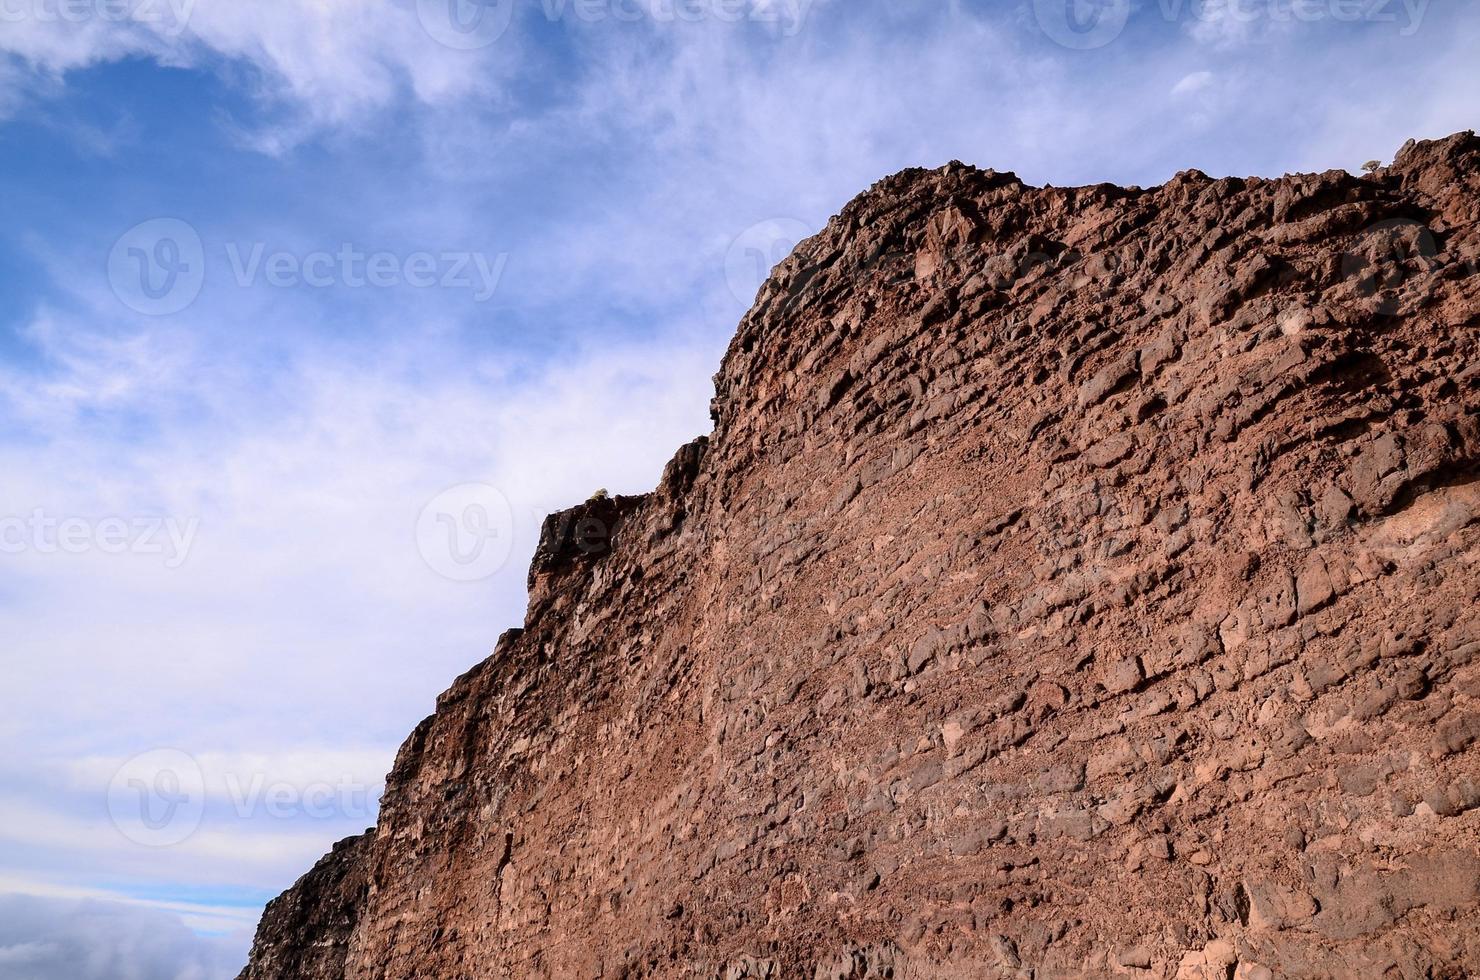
305,623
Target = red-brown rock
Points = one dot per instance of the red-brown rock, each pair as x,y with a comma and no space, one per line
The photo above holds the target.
1077,582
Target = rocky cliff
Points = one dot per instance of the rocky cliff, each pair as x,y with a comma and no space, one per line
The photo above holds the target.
1078,582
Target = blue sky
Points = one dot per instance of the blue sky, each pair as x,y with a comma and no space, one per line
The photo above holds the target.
585,191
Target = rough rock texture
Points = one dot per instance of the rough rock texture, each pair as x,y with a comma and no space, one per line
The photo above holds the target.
306,930
1076,582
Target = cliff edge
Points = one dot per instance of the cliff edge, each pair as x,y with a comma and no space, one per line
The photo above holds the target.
1076,582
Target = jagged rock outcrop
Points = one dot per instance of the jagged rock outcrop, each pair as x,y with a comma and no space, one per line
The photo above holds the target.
1076,582
305,931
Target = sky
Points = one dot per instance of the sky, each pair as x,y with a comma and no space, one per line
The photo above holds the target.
310,310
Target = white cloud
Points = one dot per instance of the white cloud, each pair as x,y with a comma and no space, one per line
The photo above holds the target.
1193,83
43,938
326,62
1228,23
306,633
91,370
260,853
1372,115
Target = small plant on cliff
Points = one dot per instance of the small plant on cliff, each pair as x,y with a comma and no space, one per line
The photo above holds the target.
1372,166
598,495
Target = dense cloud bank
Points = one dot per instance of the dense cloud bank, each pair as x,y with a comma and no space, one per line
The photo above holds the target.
65,939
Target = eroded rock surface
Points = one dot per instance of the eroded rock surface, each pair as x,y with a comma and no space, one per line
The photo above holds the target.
1076,582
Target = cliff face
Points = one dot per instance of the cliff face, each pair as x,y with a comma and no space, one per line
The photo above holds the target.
1077,582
